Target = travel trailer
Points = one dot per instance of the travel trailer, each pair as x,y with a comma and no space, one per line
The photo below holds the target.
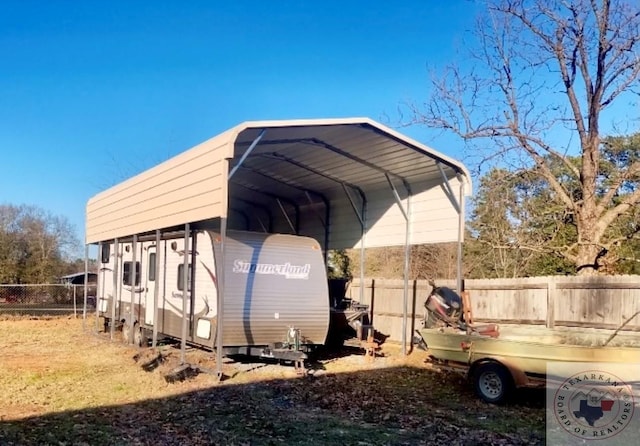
276,305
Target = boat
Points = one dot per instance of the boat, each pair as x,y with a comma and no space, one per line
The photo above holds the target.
499,359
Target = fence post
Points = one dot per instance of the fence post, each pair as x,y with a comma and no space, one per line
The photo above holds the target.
551,298
75,313
372,301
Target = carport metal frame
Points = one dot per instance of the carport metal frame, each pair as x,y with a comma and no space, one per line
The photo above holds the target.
359,211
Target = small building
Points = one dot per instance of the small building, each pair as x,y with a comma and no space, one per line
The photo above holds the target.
78,279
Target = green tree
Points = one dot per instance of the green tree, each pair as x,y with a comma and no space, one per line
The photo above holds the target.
520,227
516,228
339,264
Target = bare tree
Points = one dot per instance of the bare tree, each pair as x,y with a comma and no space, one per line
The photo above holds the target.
544,76
425,262
437,261
35,244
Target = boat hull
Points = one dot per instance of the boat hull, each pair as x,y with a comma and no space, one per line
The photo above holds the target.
526,351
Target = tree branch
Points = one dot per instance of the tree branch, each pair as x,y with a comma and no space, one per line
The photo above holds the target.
632,171
610,215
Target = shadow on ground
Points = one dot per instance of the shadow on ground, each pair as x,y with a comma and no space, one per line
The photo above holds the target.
395,406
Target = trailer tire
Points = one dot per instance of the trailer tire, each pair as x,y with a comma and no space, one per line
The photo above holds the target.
140,338
139,335
493,382
126,333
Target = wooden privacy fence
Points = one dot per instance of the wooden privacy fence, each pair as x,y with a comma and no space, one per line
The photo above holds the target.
599,302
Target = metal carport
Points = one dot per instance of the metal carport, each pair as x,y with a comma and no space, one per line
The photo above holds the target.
350,183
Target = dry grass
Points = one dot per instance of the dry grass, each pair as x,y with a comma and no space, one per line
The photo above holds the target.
52,365
60,384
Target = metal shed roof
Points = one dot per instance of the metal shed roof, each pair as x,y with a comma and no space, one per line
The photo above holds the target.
333,179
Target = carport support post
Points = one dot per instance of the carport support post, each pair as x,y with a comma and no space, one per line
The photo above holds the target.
407,248
156,291
132,281
362,250
325,223
223,241
114,296
327,228
185,293
86,278
362,218
220,314
406,214
459,205
460,234
220,302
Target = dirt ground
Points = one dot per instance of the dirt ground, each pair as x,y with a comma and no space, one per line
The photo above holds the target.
62,382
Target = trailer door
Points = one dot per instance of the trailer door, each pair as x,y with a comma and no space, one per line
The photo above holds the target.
105,277
150,286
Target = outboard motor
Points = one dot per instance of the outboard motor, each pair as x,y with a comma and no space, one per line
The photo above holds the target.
444,308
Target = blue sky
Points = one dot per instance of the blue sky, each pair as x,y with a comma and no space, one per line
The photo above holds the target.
94,92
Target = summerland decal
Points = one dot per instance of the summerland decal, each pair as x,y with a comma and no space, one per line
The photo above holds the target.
287,270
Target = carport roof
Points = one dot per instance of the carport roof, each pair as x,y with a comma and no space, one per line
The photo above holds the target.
288,160
357,151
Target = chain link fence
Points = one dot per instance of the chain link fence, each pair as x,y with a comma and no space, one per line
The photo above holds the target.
45,298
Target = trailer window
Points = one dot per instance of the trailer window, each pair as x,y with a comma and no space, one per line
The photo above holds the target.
180,281
105,253
126,273
152,267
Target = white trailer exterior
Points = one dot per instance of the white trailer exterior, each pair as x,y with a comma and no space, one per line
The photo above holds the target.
347,183
276,290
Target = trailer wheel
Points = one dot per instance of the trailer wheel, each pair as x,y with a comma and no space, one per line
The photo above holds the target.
139,336
126,333
493,382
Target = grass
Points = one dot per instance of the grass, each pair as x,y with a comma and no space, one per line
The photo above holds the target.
60,384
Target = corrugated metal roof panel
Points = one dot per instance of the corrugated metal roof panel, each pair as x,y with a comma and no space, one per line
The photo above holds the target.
190,186
295,163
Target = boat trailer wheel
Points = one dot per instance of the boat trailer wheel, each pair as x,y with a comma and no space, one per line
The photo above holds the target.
492,382
300,367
